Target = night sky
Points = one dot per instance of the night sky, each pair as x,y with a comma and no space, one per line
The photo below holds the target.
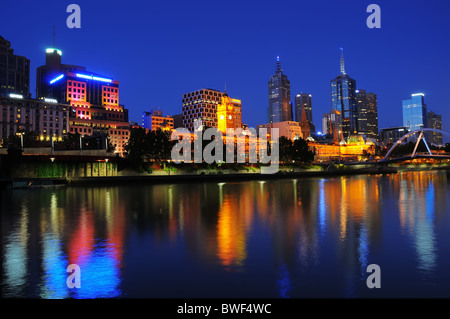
159,50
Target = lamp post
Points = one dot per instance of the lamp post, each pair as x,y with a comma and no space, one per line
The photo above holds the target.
106,160
52,159
21,139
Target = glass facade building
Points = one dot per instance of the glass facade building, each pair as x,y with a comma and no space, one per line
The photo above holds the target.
343,99
280,107
414,112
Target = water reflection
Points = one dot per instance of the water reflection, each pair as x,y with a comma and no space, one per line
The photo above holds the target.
282,238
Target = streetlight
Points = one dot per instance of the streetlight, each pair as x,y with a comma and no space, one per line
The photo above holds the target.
21,139
52,159
106,160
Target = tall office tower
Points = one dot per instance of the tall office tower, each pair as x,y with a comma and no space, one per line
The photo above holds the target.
303,101
434,121
361,107
372,115
343,99
414,112
14,71
229,114
51,70
200,108
280,107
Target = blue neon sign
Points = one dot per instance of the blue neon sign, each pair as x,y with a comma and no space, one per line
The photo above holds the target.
59,77
92,77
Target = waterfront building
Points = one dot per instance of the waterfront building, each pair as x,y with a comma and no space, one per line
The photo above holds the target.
46,117
392,134
14,71
414,112
93,99
280,107
155,120
288,129
229,113
343,99
367,110
434,121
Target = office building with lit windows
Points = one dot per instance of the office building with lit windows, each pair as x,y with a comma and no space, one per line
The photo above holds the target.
93,99
434,121
303,104
155,120
280,107
14,71
414,112
200,109
343,99
46,117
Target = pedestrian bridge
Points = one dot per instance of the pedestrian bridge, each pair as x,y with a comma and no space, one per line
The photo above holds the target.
415,154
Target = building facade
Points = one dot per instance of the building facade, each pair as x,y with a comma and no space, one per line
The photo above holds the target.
93,100
414,112
200,108
367,110
343,99
14,71
434,121
155,120
392,134
280,107
45,117
288,129
229,113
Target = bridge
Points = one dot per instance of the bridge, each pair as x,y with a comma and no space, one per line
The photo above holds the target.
415,154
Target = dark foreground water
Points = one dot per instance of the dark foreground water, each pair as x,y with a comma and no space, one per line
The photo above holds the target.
286,238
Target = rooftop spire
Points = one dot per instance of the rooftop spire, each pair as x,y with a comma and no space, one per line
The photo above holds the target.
278,65
341,49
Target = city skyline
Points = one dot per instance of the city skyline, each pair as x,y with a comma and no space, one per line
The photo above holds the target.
246,74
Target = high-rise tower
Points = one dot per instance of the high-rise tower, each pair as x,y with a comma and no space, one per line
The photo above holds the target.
343,99
280,107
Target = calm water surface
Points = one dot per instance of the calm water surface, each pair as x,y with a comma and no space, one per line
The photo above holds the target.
287,238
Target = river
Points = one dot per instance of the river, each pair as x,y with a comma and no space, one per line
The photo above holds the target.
287,238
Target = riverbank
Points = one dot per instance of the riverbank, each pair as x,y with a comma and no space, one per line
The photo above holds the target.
189,178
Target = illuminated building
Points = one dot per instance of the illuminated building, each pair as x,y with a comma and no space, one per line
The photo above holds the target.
288,129
46,117
305,124
352,150
434,121
414,112
155,120
93,99
303,103
372,116
14,71
200,109
343,100
392,134
280,107
229,113
332,124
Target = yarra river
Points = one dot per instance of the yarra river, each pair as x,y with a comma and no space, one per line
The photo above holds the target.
283,238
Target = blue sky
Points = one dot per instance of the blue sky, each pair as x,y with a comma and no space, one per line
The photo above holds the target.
159,50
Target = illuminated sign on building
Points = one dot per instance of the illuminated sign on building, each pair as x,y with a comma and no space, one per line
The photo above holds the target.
50,100
92,77
16,96
51,50
59,77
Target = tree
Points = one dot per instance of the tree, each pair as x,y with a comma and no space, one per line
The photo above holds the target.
71,141
301,152
135,146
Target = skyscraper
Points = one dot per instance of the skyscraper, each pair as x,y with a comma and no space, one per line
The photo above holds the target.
372,116
414,112
14,71
280,107
366,105
434,121
343,99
